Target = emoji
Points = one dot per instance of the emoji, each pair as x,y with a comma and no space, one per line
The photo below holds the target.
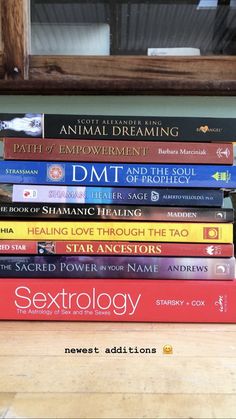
167,350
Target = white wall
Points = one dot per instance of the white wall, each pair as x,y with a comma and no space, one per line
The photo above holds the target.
122,105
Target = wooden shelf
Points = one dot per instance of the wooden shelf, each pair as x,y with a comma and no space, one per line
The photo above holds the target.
21,73
125,75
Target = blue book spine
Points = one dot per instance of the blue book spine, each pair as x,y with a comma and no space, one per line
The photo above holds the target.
103,174
122,267
116,195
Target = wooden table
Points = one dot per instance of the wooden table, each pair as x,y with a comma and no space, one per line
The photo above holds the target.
39,380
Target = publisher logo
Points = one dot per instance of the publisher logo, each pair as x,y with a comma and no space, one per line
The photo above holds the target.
211,233
30,193
220,215
154,196
221,303
223,153
206,129
46,248
55,172
213,250
222,269
222,176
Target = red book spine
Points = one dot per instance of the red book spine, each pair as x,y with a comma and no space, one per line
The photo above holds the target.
58,247
117,151
113,300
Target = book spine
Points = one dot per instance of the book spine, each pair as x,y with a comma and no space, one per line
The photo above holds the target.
126,300
130,196
115,248
117,230
118,267
21,125
121,151
140,128
118,174
118,127
116,212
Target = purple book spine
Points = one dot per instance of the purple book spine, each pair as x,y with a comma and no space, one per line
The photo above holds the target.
118,267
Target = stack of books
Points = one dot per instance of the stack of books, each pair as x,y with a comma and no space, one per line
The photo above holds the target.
117,218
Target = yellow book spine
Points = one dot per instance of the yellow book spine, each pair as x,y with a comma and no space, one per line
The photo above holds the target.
124,231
